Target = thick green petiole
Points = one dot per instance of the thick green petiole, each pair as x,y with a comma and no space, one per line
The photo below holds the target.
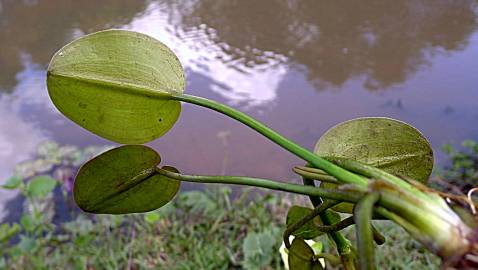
323,177
332,169
363,218
265,183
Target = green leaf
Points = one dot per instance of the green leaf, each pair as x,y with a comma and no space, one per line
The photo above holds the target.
301,256
27,223
385,143
388,144
309,230
258,249
117,84
7,231
124,180
12,182
27,244
41,186
152,217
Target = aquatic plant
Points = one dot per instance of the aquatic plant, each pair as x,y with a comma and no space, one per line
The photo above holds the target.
128,87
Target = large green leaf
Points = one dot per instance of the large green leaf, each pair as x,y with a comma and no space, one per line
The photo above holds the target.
124,180
106,81
388,144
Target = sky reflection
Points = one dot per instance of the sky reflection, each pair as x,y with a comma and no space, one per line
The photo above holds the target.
299,66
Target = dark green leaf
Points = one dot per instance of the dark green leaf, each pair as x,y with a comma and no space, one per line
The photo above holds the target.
124,180
41,186
309,230
301,256
105,82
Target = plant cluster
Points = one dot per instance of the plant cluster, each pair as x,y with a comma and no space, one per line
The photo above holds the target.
462,174
128,87
245,233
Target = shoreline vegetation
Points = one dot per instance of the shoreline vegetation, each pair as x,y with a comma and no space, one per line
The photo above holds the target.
201,229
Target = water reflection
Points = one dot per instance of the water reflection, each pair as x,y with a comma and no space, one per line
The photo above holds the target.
385,40
38,28
266,57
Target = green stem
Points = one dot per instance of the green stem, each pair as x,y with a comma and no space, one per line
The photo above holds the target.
344,247
317,211
377,236
332,169
372,172
333,260
265,183
316,176
363,218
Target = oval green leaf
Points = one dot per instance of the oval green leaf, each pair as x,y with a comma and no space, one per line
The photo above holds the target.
309,230
116,84
388,144
385,143
124,180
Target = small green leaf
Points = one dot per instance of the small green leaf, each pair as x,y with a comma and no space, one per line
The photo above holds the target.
27,223
124,180
309,230
116,84
27,244
258,249
41,186
152,217
317,247
7,231
301,256
12,182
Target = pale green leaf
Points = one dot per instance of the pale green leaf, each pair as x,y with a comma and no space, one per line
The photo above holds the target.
116,84
41,186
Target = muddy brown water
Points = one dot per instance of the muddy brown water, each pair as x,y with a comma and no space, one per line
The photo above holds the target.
298,66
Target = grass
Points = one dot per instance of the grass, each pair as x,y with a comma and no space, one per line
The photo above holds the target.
209,229
199,230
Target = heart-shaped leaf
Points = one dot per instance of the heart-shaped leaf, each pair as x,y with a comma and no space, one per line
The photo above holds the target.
309,230
385,143
124,180
116,84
